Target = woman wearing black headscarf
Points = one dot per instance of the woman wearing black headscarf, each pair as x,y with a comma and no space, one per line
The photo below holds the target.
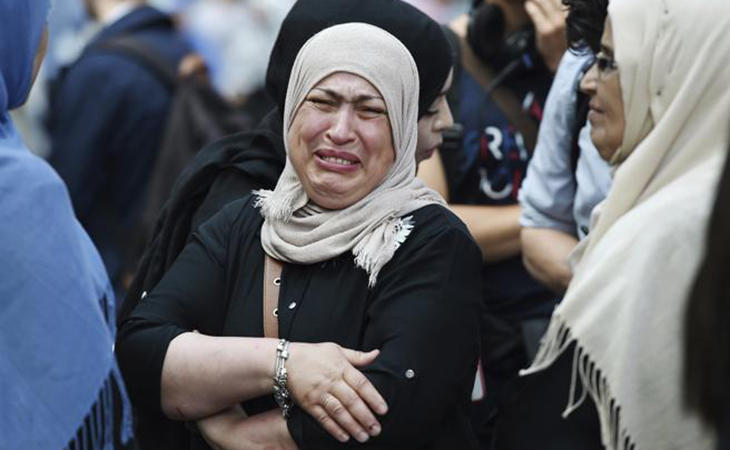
236,165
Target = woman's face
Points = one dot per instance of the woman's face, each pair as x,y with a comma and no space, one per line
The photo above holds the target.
602,85
340,141
436,119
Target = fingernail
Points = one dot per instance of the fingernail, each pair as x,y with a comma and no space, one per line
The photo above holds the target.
382,408
362,437
375,429
344,438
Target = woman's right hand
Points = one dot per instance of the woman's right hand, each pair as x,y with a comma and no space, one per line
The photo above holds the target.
324,382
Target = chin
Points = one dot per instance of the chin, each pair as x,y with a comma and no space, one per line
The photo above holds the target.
332,203
422,155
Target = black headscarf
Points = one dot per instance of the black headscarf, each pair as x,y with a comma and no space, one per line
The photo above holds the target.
418,32
230,168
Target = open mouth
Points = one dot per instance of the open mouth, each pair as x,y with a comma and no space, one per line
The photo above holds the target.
337,161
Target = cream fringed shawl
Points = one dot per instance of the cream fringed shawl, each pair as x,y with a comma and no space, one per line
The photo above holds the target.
624,307
296,230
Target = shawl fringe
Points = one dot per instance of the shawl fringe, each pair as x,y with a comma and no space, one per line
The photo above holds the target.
374,252
275,206
586,380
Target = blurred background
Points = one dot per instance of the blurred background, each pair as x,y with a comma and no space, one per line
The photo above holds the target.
233,36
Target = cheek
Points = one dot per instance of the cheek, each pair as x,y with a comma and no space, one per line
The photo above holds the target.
379,144
424,133
617,121
308,126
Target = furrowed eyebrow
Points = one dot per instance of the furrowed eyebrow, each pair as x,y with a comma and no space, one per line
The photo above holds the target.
357,99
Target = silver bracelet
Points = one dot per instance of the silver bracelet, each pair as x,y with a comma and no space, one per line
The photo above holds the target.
281,392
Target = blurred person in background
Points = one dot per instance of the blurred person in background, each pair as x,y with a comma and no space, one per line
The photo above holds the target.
60,387
442,11
233,36
566,177
609,370
106,119
508,52
69,29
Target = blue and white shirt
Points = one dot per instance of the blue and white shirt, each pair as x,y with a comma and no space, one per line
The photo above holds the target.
554,194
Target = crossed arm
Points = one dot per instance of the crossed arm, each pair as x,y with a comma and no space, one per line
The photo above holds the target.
202,375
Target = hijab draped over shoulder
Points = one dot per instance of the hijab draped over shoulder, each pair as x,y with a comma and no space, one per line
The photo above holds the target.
296,230
56,302
625,305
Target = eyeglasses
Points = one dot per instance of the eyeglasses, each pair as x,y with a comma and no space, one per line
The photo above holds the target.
605,64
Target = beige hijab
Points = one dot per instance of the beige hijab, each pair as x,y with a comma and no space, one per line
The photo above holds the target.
296,230
625,304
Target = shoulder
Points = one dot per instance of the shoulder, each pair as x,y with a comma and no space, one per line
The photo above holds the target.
436,224
677,214
27,177
238,214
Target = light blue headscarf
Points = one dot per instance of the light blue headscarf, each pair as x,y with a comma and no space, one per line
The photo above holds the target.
56,303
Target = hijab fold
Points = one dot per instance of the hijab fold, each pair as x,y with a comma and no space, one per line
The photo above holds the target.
296,230
624,307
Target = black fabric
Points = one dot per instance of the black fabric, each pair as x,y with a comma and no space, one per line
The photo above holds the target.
486,168
418,32
219,173
422,315
532,419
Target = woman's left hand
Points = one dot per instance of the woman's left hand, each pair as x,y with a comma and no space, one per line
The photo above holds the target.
232,429
325,382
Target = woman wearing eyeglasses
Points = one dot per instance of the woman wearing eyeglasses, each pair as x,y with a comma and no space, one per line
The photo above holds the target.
609,372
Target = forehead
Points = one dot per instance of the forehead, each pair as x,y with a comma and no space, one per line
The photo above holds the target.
347,85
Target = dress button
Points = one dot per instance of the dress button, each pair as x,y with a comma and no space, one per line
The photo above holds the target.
410,373
144,294
277,281
292,305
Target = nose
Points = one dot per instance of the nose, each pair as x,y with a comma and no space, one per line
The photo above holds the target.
342,128
589,81
445,119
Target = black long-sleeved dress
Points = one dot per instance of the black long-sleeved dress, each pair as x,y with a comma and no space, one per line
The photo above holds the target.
422,314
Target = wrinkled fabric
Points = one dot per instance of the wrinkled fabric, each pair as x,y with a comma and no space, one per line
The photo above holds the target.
626,303
56,355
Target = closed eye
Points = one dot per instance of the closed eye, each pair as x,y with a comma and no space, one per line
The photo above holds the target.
320,102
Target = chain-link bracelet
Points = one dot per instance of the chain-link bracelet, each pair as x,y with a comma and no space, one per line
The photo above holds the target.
281,392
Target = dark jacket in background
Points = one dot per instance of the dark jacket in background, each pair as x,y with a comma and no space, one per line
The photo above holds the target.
107,116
